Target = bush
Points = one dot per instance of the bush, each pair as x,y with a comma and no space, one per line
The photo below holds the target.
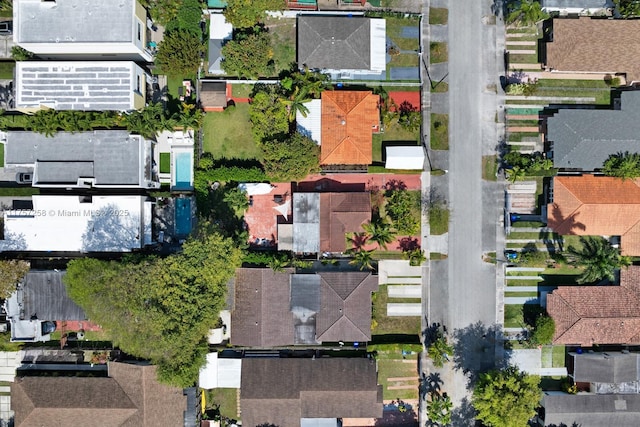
248,55
180,52
543,331
291,159
20,54
404,211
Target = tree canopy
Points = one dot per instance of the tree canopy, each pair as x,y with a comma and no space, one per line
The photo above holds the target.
627,8
249,55
247,13
11,272
180,52
290,159
525,12
622,165
506,398
159,309
599,259
268,116
543,331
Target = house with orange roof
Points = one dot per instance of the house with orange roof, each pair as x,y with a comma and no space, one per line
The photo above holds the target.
590,205
343,125
590,315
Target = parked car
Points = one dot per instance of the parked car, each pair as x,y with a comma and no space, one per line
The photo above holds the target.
24,177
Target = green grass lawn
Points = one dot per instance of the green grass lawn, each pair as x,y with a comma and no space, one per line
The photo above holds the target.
521,294
227,134
513,317
438,15
438,219
439,87
602,96
393,133
283,41
6,69
438,52
394,32
391,325
598,84
520,58
439,131
402,60
18,191
489,167
241,90
527,224
226,399
391,364
1,155
165,162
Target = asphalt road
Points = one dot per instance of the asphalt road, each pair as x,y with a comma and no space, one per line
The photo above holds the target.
470,292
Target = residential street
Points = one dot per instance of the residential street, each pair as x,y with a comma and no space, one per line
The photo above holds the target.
462,293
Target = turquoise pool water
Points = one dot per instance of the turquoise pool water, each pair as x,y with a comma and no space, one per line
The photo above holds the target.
183,171
183,217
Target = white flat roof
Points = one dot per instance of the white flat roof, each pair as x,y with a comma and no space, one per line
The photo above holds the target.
311,125
219,28
74,224
410,157
71,85
220,373
378,47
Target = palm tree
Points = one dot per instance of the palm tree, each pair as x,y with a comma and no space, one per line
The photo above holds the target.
516,173
525,12
380,231
439,409
439,351
295,103
623,165
363,259
598,257
416,257
279,262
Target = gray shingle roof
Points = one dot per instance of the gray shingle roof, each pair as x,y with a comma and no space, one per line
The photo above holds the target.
282,391
334,42
609,367
112,157
45,296
592,410
584,139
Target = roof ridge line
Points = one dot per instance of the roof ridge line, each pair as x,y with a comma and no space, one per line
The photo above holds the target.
573,310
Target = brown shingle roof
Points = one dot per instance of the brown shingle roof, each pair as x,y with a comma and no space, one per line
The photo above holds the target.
213,94
347,122
261,316
595,45
345,313
342,213
587,315
281,391
131,397
599,206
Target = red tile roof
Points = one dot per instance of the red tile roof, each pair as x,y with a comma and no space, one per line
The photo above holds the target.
588,315
348,119
598,206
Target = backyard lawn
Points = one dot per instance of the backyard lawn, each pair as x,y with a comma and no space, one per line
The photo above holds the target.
282,33
227,134
439,131
383,325
225,399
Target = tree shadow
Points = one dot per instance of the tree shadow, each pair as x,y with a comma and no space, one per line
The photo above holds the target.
474,350
112,229
463,415
562,223
432,332
429,384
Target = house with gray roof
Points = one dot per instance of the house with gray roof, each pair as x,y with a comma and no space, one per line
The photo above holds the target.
73,85
305,392
40,297
273,309
83,30
345,47
607,372
98,159
580,140
591,410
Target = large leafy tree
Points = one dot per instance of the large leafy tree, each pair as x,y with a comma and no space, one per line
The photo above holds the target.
11,272
404,210
180,52
248,55
599,259
543,331
506,398
247,13
291,158
627,8
525,12
622,165
159,309
187,18
268,116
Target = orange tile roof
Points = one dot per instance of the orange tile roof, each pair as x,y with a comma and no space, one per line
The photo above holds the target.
588,315
348,118
599,206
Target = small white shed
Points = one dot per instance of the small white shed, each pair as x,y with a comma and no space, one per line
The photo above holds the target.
220,372
407,157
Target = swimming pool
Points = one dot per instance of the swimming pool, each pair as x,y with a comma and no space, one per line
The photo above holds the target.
183,168
183,217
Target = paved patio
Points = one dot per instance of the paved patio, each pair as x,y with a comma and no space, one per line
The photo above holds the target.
262,217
